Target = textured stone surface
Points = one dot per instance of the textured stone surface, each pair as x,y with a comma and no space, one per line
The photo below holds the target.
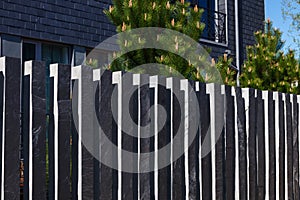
38,86
193,153
272,157
178,128
220,142
129,135
64,126
230,145
241,117
87,133
295,148
281,148
206,161
261,159
11,127
289,143
252,145
145,178
107,190
164,139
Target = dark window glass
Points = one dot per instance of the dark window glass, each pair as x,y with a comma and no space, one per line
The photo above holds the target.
29,52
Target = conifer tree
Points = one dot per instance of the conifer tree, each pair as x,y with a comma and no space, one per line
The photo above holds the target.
267,67
179,16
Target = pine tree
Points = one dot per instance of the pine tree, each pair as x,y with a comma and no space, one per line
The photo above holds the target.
179,16
224,65
267,67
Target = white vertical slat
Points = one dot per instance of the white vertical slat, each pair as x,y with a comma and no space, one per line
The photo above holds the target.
117,79
54,74
245,95
184,86
137,82
154,84
285,150
169,84
2,69
210,89
237,166
28,71
276,99
266,114
76,74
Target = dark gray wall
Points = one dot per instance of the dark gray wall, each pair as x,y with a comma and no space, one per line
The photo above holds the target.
83,23
251,17
77,22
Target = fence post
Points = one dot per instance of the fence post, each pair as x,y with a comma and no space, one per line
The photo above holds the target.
289,143
83,117
105,112
10,78
35,130
146,179
206,157
216,131
230,145
61,75
272,148
164,139
296,146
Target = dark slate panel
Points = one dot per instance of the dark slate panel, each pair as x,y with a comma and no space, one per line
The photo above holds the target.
220,145
11,128
295,148
164,139
97,130
114,140
25,134
241,123
87,130
205,129
195,152
74,151
151,161
289,140
39,130
281,147
178,128
107,184
261,170
1,132
129,135
272,158
252,145
193,156
50,133
145,178
64,127
230,145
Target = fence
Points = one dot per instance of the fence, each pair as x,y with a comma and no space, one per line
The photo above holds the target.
255,157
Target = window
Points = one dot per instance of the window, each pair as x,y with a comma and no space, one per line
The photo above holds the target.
11,46
214,20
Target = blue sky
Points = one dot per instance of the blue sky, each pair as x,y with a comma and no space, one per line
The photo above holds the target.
273,11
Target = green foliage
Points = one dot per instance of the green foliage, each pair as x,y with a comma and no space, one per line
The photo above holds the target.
178,16
267,67
228,74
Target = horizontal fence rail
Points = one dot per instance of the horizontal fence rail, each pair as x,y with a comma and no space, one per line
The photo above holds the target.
116,135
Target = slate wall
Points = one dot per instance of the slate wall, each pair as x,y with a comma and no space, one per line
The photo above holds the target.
77,22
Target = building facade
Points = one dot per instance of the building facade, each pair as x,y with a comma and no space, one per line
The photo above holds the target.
65,31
